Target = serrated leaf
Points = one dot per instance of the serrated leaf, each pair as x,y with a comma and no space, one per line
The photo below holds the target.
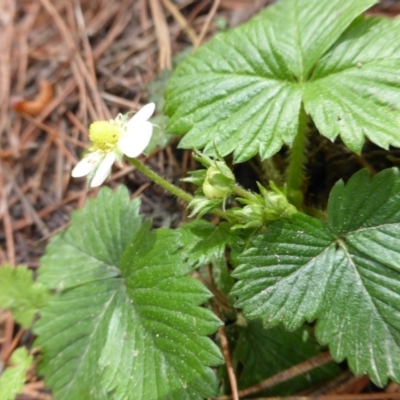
346,275
137,333
311,28
102,231
12,380
236,97
242,91
281,278
355,88
262,353
203,242
20,294
367,210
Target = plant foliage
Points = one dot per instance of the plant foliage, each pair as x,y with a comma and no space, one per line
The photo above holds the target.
20,294
244,90
204,242
345,274
126,319
13,378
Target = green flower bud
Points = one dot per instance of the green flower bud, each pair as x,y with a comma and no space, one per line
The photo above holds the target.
210,191
269,205
276,203
218,183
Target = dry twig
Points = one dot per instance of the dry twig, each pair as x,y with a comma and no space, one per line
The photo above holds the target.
164,43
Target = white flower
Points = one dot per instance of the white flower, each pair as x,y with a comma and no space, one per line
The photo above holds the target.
111,140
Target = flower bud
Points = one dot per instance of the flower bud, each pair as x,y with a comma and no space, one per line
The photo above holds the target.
276,203
218,183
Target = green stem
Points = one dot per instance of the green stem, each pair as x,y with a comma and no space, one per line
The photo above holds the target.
170,187
243,193
296,160
161,181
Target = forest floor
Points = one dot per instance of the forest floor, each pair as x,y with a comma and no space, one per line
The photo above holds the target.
65,63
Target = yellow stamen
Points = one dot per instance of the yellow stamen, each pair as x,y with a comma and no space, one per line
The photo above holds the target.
104,135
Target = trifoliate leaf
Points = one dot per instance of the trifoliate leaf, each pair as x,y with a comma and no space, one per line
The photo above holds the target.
346,274
12,380
261,353
20,294
131,328
242,92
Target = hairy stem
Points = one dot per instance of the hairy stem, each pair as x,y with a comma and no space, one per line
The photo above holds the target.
170,187
161,181
243,193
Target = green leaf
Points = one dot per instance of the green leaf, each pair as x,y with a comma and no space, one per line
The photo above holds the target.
255,96
203,242
355,88
280,274
102,231
12,380
131,328
310,29
242,91
262,353
345,274
368,211
18,293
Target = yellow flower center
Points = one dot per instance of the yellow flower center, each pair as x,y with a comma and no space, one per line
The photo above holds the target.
104,135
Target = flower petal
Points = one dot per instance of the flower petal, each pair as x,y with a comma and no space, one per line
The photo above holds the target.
142,115
103,170
132,143
86,165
